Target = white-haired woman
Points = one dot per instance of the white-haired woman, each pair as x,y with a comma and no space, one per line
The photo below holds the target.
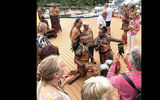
96,88
125,90
41,39
51,69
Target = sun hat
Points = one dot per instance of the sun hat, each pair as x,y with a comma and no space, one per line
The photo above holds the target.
106,65
85,23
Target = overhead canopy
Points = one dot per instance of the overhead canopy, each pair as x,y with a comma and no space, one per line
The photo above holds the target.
131,2
118,2
134,2
126,2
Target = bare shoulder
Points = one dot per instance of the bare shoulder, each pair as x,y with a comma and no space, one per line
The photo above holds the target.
75,31
51,9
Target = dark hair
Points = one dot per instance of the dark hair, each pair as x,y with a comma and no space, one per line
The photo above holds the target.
47,51
42,17
104,29
76,21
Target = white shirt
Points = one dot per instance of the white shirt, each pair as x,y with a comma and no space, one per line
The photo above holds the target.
101,21
109,16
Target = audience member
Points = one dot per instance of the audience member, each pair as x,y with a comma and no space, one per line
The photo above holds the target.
45,52
49,88
45,21
41,39
110,13
102,20
137,10
50,32
134,27
125,90
96,88
48,50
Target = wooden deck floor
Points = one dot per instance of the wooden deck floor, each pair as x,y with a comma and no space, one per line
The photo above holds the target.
66,54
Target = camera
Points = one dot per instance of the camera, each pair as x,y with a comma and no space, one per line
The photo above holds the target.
120,48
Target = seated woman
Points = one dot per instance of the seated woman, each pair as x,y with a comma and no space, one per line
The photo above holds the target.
45,52
96,88
51,32
48,50
41,39
51,69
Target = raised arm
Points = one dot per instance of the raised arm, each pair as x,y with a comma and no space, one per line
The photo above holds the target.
114,39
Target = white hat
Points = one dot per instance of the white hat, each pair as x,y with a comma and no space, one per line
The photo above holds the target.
85,23
106,65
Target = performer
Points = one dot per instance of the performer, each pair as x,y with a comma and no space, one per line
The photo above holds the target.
75,34
102,44
82,56
122,13
54,16
125,24
39,11
88,33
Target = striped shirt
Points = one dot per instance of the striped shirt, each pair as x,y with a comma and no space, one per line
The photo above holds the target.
89,35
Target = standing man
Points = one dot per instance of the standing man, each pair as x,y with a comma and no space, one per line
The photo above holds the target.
102,20
102,44
110,13
54,16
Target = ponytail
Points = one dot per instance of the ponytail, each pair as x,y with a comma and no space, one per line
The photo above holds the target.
76,21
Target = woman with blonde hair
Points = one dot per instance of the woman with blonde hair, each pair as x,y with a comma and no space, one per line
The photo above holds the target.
96,88
51,69
41,39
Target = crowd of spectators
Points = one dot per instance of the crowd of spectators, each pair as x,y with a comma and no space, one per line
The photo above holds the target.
50,68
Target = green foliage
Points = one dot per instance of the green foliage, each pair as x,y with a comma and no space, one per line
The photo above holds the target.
41,3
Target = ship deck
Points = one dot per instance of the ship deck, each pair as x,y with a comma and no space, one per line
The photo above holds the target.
64,44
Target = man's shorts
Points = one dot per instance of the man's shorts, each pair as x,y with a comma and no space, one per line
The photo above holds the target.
108,23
